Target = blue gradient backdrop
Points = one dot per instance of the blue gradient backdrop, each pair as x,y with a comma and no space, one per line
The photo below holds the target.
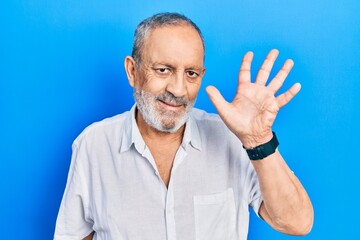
61,68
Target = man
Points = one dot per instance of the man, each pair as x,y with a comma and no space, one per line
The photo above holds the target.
164,170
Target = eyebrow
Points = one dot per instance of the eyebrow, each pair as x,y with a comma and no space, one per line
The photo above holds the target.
196,68
163,64
173,67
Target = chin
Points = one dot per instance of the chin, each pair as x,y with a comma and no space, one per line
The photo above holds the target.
171,127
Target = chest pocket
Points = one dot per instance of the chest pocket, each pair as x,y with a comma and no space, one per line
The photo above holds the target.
215,216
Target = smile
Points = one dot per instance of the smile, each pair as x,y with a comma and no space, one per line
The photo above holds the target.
170,105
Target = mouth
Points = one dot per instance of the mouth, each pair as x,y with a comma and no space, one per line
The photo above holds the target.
171,105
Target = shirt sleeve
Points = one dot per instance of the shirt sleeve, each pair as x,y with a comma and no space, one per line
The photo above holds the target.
253,186
255,195
72,221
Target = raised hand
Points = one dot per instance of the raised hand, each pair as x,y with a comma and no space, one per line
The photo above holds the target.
252,112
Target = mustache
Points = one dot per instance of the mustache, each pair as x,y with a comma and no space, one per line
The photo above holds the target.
170,98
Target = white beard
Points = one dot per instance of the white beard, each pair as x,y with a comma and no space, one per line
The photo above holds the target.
162,120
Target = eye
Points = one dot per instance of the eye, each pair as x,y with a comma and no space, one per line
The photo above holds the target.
162,70
192,74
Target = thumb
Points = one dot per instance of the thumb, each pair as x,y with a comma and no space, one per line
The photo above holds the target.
217,99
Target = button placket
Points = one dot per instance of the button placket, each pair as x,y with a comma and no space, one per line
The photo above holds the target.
169,213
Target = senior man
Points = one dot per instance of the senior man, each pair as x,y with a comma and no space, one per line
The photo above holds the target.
165,170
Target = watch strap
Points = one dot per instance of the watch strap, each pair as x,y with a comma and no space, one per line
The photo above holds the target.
263,150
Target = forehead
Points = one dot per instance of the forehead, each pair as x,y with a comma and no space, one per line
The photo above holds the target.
175,44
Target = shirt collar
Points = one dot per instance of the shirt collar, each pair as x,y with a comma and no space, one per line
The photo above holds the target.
131,134
191,134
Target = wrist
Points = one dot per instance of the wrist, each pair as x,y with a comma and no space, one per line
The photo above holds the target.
264,150
250,142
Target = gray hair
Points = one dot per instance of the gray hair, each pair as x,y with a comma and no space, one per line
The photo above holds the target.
155,21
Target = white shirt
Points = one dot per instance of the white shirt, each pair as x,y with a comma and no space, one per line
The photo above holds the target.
115,189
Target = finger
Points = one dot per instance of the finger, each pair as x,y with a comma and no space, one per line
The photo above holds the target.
280,77
286,97
217,99
244,72
266,67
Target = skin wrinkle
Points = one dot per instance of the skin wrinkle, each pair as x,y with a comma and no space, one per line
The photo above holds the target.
140,45
179,83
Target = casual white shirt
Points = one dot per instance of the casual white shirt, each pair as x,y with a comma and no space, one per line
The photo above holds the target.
115,189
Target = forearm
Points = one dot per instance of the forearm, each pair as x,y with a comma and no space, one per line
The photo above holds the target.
250,116
286,205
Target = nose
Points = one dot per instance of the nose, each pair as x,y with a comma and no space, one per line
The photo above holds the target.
177,85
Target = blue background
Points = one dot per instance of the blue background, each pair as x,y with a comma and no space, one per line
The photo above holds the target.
61,68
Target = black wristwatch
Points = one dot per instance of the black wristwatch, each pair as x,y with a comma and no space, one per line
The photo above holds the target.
263,150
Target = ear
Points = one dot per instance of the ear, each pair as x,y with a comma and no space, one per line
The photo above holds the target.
129,64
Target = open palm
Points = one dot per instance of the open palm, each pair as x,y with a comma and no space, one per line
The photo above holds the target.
253,110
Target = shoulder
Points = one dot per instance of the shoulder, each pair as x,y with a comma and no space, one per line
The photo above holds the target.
214,134
110,128
201,115
207,120
212,128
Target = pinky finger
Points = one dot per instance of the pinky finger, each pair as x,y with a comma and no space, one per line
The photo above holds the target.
286,97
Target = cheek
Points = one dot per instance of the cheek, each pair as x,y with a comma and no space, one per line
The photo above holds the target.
193,91
149,83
